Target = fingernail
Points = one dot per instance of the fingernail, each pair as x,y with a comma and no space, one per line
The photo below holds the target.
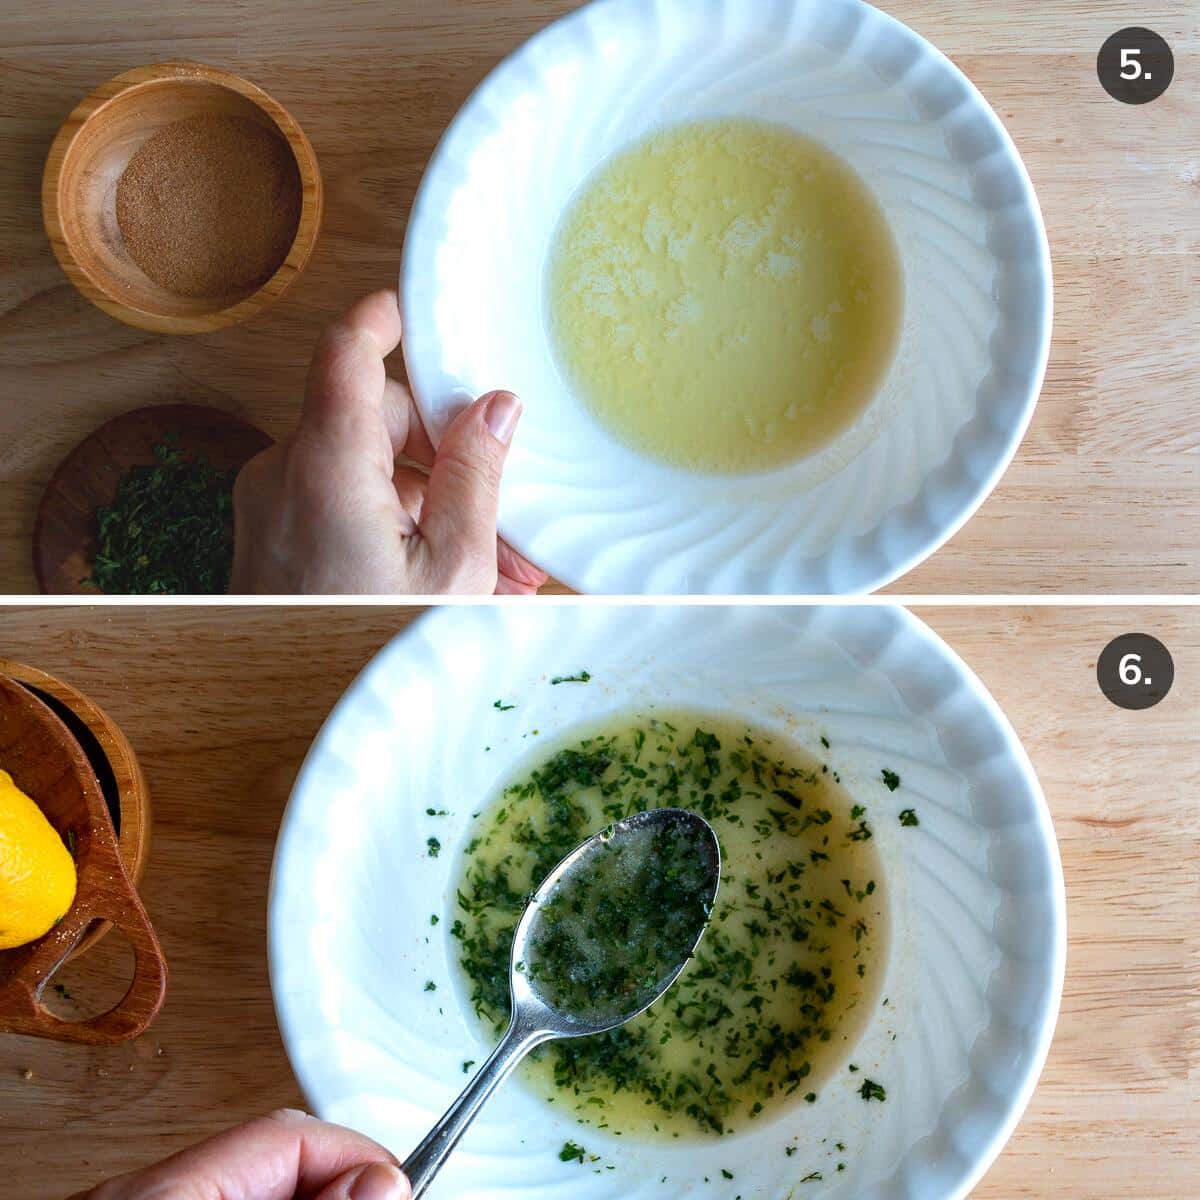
379,1181
501,416
289,1115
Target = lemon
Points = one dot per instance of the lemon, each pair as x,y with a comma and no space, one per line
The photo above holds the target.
37,872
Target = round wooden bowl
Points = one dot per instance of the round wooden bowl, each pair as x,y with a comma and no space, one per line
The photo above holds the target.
92,150
64,532
48,764
115,765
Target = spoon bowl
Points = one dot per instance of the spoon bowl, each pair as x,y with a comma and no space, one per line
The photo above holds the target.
669,841
659,832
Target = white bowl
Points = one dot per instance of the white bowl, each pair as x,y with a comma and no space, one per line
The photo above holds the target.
972,355
976,967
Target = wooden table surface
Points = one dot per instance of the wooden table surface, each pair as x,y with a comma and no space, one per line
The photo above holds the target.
221,705
1105,493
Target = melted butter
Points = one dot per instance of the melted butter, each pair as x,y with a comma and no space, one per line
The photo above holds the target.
725,296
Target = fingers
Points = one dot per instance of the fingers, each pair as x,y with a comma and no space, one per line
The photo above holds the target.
405,428
272,1158
410,484
348,400
458,520
525,577
375,1181
511,587
335,498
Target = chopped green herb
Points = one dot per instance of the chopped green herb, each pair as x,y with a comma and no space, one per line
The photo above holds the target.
62,991
582,677
726,1174
168,529
468,1065
503,707
434,847
871,1090
572,1153
433,918
861,832
890,779
908,818
430,986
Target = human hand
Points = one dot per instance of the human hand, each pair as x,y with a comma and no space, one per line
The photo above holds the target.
328,510
285,1156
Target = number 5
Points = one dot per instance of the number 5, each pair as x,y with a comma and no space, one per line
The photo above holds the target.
1129,59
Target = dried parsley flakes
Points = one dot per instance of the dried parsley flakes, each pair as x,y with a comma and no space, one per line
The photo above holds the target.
168,530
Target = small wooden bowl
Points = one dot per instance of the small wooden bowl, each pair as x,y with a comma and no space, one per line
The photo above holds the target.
115,765
47,763
93,148
64,533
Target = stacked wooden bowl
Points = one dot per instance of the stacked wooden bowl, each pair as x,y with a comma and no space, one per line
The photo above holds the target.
66,753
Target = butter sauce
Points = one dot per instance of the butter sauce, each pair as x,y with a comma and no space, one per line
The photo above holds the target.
790,965
725,296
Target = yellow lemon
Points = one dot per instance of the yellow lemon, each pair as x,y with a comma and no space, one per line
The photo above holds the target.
37,872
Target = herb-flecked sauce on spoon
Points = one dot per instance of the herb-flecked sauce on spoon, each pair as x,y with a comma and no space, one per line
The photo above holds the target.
791,964
611,934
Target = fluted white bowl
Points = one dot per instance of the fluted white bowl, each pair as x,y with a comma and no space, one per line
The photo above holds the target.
971,359
976,962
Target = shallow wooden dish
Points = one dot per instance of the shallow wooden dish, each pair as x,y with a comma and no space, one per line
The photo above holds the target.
112,759
47,763
87,158
64,533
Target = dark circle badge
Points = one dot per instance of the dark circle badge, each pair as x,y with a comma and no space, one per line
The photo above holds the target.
1135,671
1135,66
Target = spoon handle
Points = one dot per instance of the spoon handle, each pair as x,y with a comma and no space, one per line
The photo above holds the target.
427,1159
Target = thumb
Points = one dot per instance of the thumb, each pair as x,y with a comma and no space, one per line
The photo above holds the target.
370,1181
458,520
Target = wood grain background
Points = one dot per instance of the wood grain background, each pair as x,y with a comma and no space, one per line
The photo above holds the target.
221,705
1105,494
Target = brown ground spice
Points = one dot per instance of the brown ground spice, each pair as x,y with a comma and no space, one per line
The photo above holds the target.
209,206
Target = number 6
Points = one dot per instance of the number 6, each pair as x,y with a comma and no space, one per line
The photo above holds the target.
1129,670
1129,59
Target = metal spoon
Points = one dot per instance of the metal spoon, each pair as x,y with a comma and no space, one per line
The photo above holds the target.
535,1020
